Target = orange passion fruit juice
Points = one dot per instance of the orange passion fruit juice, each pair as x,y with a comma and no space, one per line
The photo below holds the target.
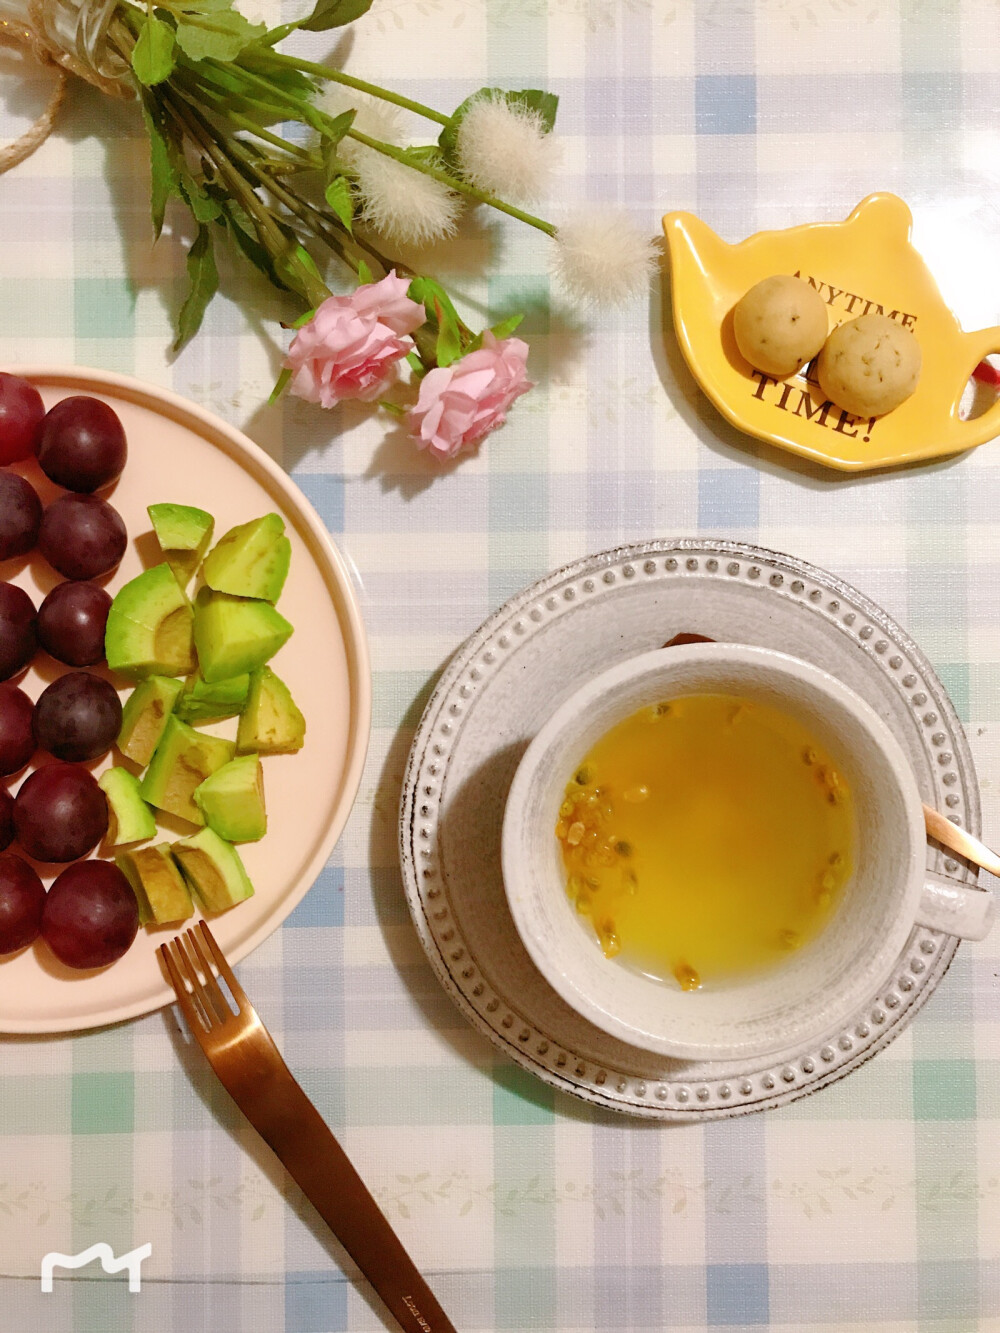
705,838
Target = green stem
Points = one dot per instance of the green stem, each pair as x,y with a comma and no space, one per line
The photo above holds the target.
271,235
348,80
453,182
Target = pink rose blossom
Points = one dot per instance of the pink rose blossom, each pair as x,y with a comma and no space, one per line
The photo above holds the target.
460,403
350,347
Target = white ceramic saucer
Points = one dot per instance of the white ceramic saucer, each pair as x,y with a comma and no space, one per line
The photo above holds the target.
511,675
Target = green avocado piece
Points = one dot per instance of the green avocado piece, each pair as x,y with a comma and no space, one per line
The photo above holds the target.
250,560
270,722
129,817
149,627
184,533
183,759
202,701
159,887
232,800
213,868
234,635
145,715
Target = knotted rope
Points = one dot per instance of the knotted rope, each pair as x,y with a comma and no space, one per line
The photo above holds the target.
34,37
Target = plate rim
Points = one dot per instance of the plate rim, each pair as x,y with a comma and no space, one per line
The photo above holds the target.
844,1061
222,433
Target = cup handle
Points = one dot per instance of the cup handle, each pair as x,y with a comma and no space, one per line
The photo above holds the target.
957,909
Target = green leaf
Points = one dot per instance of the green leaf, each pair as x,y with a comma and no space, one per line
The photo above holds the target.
340,197
293,265
449,339
202,205
204,279
302,320
506,326
153,53
535,98
163,175
334,14
365,274
243,233
217,36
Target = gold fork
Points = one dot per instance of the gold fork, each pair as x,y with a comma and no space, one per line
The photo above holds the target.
250,1067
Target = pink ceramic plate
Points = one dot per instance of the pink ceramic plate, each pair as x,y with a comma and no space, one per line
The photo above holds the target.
178,452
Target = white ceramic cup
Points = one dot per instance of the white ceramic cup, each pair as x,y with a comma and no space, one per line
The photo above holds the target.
820,986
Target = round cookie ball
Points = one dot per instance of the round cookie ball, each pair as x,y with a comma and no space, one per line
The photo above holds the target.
869,365
780,324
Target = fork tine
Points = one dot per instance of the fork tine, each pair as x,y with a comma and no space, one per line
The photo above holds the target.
210,987
209,1017
192,1013
227,973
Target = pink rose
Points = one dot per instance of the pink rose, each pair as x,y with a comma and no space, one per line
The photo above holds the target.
350,347
460,403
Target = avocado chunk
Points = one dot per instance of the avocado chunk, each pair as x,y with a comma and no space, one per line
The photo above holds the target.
213,869
270,723
159,887
129,817
145,715
232,800
234,635
184,533
149,630
183,759
251,560
202,701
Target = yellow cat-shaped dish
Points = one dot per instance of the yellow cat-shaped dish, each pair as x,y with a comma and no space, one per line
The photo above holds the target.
864,264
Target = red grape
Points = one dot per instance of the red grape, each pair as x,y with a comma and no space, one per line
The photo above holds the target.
22,899
17,739
20,515
18,637
71,622
81,444
6,819
21,410
60,813
82,537
90,916
78,717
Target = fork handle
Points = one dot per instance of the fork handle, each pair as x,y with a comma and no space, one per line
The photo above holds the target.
291,1126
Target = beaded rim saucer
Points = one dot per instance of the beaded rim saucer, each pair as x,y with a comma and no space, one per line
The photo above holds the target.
693,586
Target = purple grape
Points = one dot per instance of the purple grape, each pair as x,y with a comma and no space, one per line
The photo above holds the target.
78,717
18,637
82,537
81,444
20,515
22,899
60,813
17,739
6,819
90,917
71,623
21,411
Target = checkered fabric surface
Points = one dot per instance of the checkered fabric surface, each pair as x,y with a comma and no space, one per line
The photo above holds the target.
872,1206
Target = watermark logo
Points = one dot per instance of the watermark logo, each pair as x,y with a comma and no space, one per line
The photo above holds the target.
109,1262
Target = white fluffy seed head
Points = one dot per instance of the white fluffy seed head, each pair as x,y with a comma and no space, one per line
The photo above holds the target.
603,257
378,119
503,148
400,202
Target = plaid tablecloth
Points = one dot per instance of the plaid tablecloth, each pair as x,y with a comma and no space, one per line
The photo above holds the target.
874,1205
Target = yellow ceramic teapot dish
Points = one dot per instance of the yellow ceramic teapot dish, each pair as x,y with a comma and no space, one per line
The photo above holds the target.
863,265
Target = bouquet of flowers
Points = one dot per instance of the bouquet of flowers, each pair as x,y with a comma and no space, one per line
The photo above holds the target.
301,167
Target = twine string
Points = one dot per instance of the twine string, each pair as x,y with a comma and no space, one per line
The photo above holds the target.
35,38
